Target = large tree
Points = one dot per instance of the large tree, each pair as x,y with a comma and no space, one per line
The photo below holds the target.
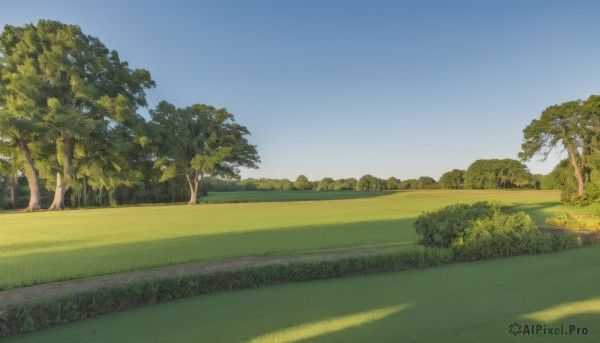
573,126
454,179
198,141
22,101
80,88
496,173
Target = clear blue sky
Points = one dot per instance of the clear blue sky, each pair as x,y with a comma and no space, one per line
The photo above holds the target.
345,88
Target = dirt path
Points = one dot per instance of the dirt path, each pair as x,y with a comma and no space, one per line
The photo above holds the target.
51,290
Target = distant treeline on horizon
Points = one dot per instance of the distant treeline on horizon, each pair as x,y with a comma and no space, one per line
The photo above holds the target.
482,174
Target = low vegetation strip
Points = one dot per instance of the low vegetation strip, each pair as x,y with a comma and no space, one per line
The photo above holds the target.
53,290
71,307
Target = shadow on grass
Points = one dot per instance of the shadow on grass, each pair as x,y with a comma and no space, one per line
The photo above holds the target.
280,196
467,302
51,265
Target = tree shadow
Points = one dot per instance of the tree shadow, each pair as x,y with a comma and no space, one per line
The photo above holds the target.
64,264
286,196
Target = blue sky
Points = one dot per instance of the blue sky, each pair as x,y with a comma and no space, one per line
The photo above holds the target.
345,88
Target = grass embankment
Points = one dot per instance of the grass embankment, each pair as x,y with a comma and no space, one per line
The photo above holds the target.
468,302
49,246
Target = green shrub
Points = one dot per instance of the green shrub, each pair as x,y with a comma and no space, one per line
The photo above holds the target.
576,200
442,228
502,235
486,230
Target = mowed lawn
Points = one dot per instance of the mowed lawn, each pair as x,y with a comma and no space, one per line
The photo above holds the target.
467,302
49,246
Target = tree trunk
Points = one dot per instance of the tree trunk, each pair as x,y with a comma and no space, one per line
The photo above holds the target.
59,195
193,190
13,189
63,186
84,192
32,179
578,171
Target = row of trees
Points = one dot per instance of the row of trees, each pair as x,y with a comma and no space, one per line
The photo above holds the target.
69,120
482,174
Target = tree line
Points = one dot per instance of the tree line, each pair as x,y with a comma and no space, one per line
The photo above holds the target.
481,174
69,121
71,135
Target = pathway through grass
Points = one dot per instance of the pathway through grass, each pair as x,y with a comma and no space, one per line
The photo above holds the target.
468,302
51,246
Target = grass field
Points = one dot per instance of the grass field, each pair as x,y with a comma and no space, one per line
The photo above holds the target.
275,196
49,246
468,302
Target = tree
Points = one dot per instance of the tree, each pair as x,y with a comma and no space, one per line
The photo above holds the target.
498,174
197,141
345,184
408,184
573,125
454,179
392,183
326,184
78,88
302,183
22,103
426,182
369,182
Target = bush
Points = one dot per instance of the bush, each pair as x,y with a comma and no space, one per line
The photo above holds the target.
443,227
485,230
502,235
573,199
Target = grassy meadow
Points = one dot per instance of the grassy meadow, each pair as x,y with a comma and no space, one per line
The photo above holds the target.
49,246
466,302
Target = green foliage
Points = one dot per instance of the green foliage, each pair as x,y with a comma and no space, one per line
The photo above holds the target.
574,199
566,221
326,184
199,140
73,307
302,183
345,184
574,126
447,296
498,174
392,183
63,247
454,179
502,235
426,182
446,226
482,231
370,183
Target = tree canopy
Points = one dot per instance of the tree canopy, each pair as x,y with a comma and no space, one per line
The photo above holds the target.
199,140
62,87
498,174
573,126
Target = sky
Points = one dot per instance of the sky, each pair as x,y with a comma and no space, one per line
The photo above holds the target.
345,88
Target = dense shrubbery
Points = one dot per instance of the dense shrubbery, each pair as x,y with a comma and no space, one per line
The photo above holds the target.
484,230
443,227
72,307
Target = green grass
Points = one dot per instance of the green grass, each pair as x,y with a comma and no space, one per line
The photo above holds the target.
49,246
468,302
276,196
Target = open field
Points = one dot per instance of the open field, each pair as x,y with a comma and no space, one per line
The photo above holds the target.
275,196
468,302
49,246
